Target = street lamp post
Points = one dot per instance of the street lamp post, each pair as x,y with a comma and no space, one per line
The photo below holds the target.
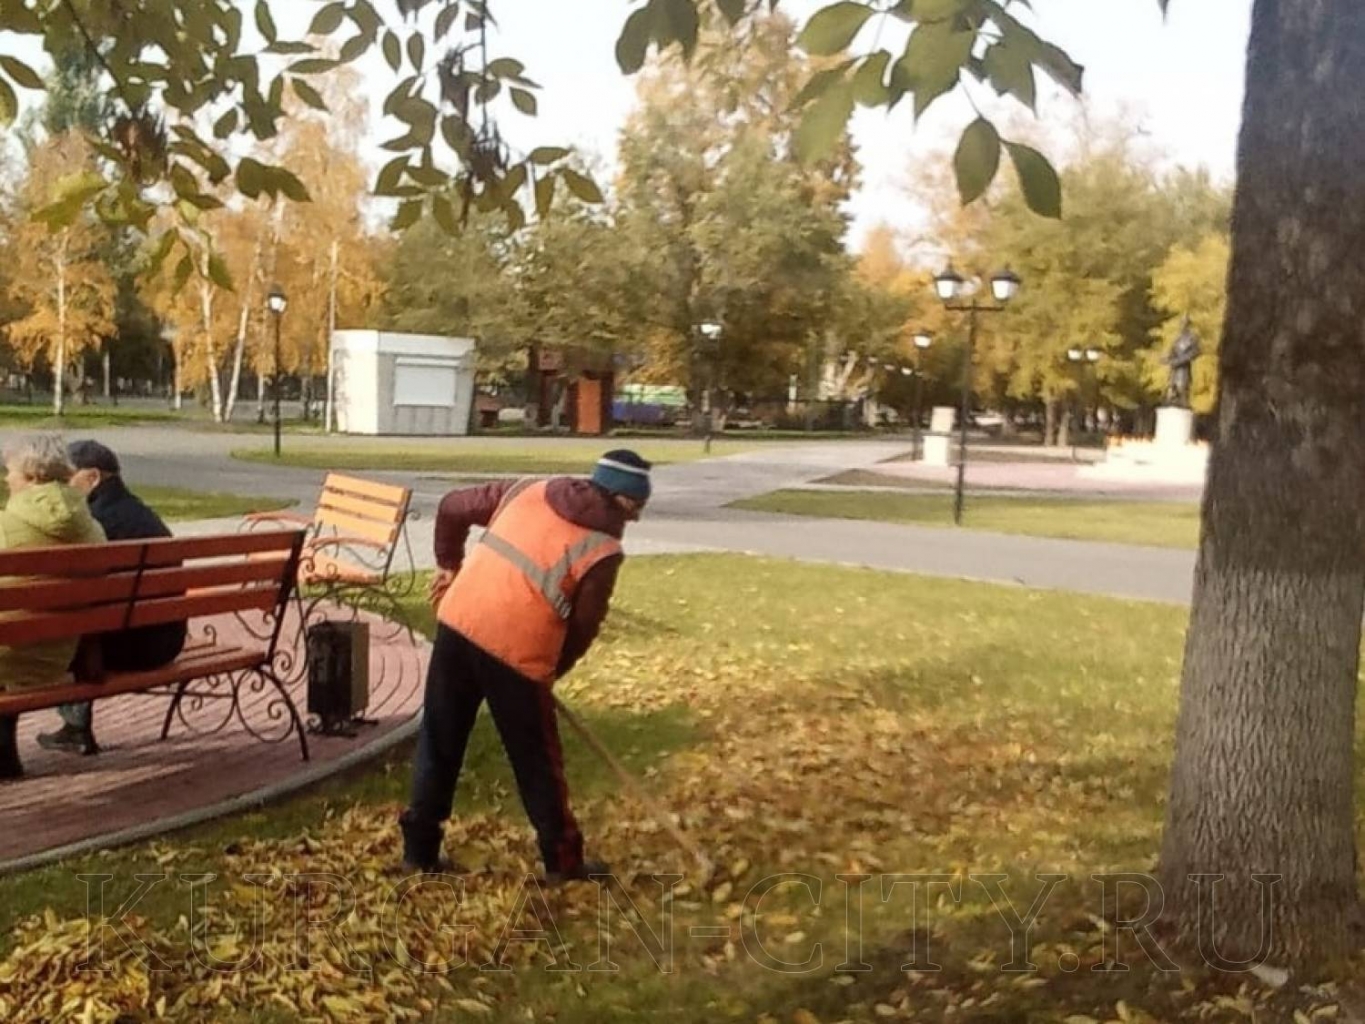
950,288
1080,358
922,343
711,333
277,301
869,400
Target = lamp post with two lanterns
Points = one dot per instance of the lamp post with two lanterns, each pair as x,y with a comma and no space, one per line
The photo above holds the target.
922,343
276,301
1082,357
710,334
958,295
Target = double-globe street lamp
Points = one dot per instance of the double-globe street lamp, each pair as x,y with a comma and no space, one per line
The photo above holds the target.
710,333
276,301
922,343
1082,357
958,295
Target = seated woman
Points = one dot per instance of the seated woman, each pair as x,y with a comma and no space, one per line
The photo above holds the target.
43,511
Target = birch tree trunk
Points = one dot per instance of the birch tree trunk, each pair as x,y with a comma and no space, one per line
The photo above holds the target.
328,416
59,359
210,352
243,326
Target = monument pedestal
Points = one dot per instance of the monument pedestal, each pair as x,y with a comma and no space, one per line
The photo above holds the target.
936,449
1173,457
943,419
1174,427
937,444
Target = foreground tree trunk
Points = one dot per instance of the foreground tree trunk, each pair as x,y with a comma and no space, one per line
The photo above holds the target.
1262,780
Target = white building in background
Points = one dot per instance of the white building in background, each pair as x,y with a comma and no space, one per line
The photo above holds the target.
405,384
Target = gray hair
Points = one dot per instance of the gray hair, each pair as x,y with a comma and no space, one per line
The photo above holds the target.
41,458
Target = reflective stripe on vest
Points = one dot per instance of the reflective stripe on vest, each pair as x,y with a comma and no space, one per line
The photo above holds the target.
515,593
512,492
550,582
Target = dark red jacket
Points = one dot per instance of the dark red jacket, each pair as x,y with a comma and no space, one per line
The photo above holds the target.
580,502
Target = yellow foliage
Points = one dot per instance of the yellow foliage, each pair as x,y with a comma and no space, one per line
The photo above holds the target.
58,278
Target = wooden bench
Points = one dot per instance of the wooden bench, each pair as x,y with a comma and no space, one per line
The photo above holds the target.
354,536
64,593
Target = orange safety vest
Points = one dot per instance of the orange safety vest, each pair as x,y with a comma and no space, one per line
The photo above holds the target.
514,594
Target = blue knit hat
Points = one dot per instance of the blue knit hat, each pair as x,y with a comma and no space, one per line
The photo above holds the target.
623,472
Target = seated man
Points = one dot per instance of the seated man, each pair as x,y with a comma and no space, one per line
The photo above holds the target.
43,511
124,517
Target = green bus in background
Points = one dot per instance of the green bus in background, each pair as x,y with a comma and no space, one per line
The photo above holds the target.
653,405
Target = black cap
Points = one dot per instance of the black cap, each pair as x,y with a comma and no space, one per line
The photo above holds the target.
93,455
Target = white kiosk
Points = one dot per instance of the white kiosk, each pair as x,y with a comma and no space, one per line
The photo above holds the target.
405,384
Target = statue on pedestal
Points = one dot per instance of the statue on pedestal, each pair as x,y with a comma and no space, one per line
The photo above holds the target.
1180,358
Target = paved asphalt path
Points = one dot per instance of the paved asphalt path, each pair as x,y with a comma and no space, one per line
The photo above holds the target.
688,513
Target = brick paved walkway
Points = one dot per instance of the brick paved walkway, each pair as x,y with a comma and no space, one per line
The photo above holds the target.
140,784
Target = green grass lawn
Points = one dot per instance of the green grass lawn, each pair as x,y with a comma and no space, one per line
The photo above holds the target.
476,455
801,721
40,417
1157,523
175,503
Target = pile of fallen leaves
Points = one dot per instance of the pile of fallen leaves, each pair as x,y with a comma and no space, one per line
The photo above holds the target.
822,776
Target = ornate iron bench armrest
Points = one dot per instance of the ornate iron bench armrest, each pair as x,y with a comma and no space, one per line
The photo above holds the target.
294,518
345,542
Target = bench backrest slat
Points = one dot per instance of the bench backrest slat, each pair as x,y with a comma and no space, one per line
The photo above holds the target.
174,550
390,494
41,627
380,512
35,595
363,508
78,590
353,526
161,610
45,594
85,559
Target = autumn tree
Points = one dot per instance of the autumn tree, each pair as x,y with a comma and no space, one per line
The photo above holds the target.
327,256
881,306
729,225
577,287
461,286
1089,274
59,278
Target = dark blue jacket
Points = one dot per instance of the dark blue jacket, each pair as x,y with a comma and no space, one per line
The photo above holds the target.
124,516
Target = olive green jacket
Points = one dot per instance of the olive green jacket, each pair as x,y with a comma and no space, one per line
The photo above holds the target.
43,515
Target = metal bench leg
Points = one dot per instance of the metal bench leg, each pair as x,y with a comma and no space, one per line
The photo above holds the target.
174,706
267,673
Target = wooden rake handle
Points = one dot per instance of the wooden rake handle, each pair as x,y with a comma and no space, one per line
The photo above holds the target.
629,781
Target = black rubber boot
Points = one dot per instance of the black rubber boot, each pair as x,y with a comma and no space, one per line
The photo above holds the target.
421,847
70,739
10,765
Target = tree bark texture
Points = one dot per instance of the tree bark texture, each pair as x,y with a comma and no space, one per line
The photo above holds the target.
1263,776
